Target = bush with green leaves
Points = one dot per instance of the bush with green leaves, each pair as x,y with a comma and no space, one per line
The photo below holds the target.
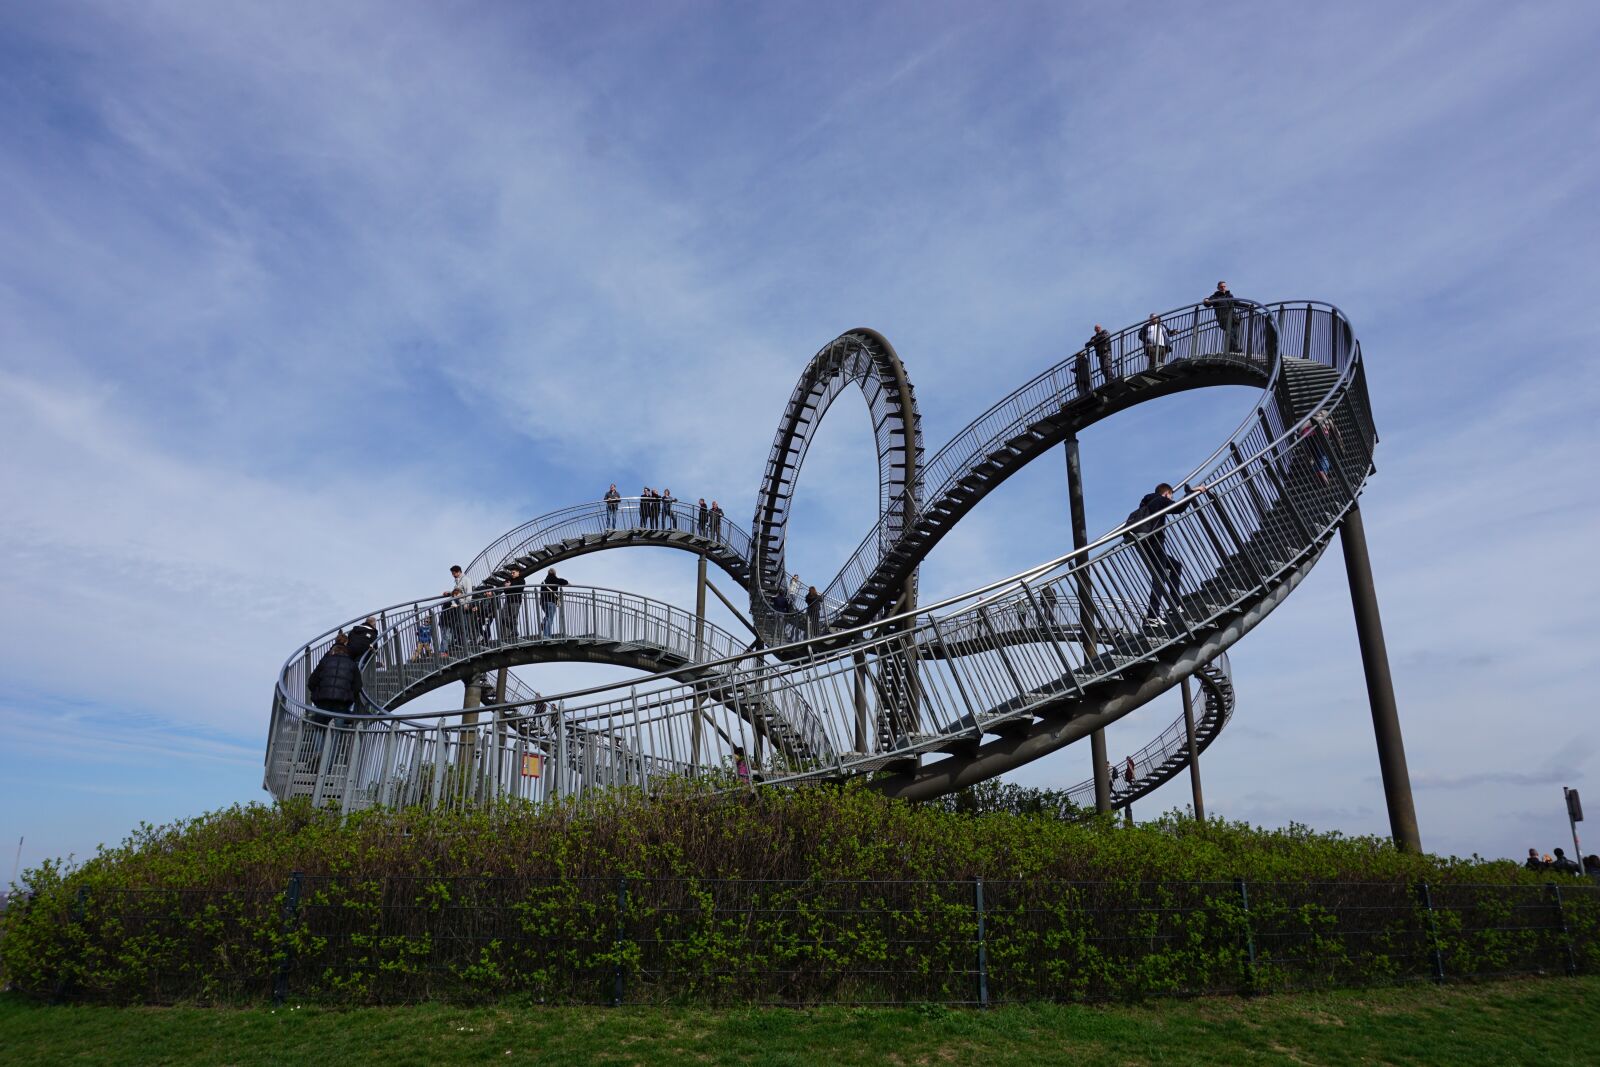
794,896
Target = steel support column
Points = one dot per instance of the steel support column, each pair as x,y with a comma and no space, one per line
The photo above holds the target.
1380,686
1194,753
1080,538
699,657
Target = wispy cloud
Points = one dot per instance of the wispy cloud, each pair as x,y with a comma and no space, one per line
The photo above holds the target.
313,302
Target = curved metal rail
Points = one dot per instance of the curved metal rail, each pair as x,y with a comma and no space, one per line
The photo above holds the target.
1167,756
866,359
928,701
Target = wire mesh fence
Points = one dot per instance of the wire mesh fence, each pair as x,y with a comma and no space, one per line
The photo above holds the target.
718,942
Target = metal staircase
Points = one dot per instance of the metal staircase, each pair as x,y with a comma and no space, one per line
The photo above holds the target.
920,701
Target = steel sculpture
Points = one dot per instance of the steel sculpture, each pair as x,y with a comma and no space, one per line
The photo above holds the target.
919,700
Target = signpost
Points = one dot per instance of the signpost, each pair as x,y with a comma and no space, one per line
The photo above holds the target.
1574,817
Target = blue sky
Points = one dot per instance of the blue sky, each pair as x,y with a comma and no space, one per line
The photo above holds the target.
303,303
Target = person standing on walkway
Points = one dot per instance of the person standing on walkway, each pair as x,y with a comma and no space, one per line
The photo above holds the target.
613,500
703,519
1148,530
1128,772
795,585
550,600
485,605
646,507
1225,306
1100,341
813,612
453,617
511,604
1080,372
424,637
667,513
1156,341
716,521
1047,604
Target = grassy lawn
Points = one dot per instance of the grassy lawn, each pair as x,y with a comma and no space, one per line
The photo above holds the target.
1543,1021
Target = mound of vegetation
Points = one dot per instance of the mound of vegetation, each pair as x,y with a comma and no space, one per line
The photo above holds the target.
794,896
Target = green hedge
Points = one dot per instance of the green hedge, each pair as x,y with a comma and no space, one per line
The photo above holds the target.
784,896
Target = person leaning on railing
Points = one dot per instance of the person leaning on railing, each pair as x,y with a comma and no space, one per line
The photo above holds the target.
1225,306
1147,529
613,500
549,600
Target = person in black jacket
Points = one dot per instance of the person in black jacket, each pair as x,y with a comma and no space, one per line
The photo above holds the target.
667,500
1225,306
511,604
484,607
716,521
335,685
361,638
813,612
1100,341
1564,865
1151,540
550,600
703,519
1533,862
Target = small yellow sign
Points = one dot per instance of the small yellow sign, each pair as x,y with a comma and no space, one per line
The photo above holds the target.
532,765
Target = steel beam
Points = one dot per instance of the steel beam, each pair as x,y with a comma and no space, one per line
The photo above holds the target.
1194,753
1080,539
1380,686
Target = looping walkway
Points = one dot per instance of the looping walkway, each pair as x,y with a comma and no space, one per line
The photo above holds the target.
923,700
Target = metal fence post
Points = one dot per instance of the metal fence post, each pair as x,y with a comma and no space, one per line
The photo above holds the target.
80,904
1566,931
1435,957
1249,936
983,948
616,942
291,912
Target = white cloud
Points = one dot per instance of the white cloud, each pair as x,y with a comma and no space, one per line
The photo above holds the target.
315,302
